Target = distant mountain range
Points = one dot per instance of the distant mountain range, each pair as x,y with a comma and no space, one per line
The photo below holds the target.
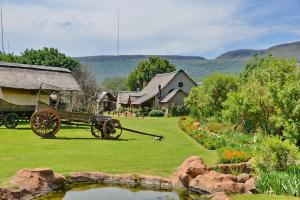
198,67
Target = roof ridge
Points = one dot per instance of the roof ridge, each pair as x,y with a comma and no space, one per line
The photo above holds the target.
34,67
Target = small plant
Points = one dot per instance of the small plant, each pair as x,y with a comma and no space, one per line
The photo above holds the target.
156,113
274,154
228,155
217,127
286,182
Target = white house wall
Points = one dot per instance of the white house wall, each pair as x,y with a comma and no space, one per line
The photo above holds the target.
180,77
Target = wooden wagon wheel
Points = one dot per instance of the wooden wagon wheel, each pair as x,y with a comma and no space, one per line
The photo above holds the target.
11,120
112,129
97,130
45,123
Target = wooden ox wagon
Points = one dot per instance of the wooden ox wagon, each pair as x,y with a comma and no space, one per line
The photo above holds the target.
11,114
73,108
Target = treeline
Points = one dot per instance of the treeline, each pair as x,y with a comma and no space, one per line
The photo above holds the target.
264,97
145,70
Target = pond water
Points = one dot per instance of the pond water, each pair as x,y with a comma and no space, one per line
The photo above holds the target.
100,192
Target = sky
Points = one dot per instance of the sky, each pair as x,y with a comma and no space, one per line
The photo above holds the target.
205,28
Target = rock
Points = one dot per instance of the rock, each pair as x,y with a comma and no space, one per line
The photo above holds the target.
155,181
213,182
127,179
242,178
220,196
250,186
188,170
10,194
37,181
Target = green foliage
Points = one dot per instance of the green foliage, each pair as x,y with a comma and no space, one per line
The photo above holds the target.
114,84
217,127
146,70
267,99
274,154
286,182
207,99
45,56
178,110
209,141
156,113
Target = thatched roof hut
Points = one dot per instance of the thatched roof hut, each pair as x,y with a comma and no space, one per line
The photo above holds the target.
19,83
30,77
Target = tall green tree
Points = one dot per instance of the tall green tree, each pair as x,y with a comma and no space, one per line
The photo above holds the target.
268,98
207,99
45,56
146,70
114,84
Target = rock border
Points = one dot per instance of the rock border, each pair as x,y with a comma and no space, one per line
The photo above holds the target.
191,175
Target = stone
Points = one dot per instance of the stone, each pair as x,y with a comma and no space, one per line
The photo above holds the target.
250,186
220,196
188,170
37,181
242,178
213,182
127,179
10,194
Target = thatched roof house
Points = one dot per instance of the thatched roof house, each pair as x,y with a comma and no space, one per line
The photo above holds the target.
19,83
163,90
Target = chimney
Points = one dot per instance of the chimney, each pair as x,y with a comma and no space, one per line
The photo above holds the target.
159,91
145,83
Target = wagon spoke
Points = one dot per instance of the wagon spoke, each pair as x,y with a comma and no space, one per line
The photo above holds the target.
45,123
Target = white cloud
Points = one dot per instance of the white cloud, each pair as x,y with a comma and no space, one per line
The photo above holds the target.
147,27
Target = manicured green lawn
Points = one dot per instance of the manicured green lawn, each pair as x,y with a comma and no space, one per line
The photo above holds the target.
77,150
263,197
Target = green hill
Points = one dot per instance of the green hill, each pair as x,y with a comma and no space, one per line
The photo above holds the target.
196,66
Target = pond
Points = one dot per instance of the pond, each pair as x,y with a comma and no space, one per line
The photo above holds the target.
105,192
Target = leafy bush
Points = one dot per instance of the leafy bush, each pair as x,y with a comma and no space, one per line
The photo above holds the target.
285,182
217,127
208,140
274,154
178,110
145,111
186,124
228,155
156,113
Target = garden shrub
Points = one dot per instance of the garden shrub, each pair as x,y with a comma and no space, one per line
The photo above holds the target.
186,124
274,154
146,111
178,110
286,182
209,141
156,113
228,155
217,127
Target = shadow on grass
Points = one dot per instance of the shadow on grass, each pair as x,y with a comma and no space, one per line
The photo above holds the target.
78,138
23,128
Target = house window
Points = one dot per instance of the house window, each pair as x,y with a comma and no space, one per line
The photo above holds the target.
180,84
